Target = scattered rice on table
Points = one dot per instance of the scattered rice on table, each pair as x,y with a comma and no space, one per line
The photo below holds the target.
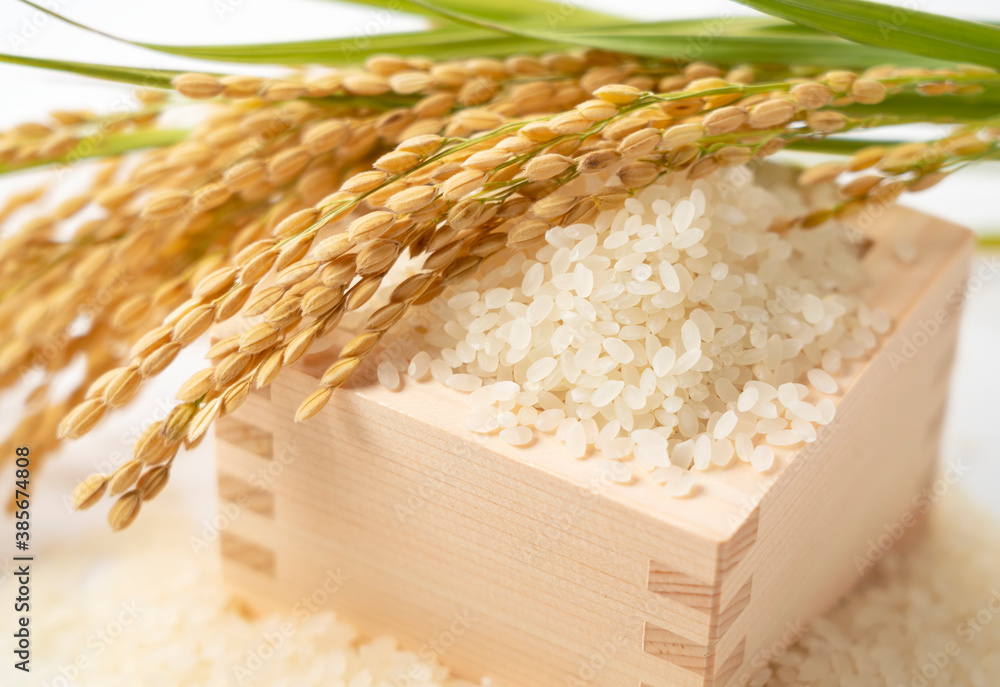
931,607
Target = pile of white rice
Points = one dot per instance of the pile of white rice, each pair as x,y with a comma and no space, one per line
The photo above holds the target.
149,608
143,609
675,333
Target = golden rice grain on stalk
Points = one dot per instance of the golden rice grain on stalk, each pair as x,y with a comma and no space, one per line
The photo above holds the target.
89,492
175,426
122,387
478,119
536,132
546,166
701,70
269,369
725,120
196,85
280,90
618,130
617,94
462,184
125,510
362,292
840,81
867,91
286,164
313,404
296,273
196,386
826,121
487,160
460,270
487,67
859,186
284,313
377,256
397,161
244,174
364,182
98,386
294,349
338,373
967,144
732,156
421,145
597,110
925,181
82,418
233,398
906,156
151,340
166,204
821,173
442,254
153,481
216,283
477,91
339,272
124,477
385,317
639,143
203,419
771,114
597,161
324,136
193,324
241,85
294,249
210,196
296,222
702,168
681,135
320,299
811,95
609,198
865,158
638,174
552,207
488,245
259,266
232,302
527,231
156,361
258,338
365,84
412,81
371,225
223,347
570,123
816,218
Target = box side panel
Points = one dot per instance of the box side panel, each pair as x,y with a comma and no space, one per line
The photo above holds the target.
849,496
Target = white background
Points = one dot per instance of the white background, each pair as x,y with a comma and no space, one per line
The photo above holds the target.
27,94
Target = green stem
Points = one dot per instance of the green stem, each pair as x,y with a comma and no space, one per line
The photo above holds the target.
111,145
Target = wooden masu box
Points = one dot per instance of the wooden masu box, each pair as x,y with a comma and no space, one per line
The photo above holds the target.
525,565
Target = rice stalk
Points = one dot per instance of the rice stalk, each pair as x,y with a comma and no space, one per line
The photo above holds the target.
292,201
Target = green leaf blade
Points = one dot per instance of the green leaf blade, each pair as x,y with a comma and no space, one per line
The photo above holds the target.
150,78
885,26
